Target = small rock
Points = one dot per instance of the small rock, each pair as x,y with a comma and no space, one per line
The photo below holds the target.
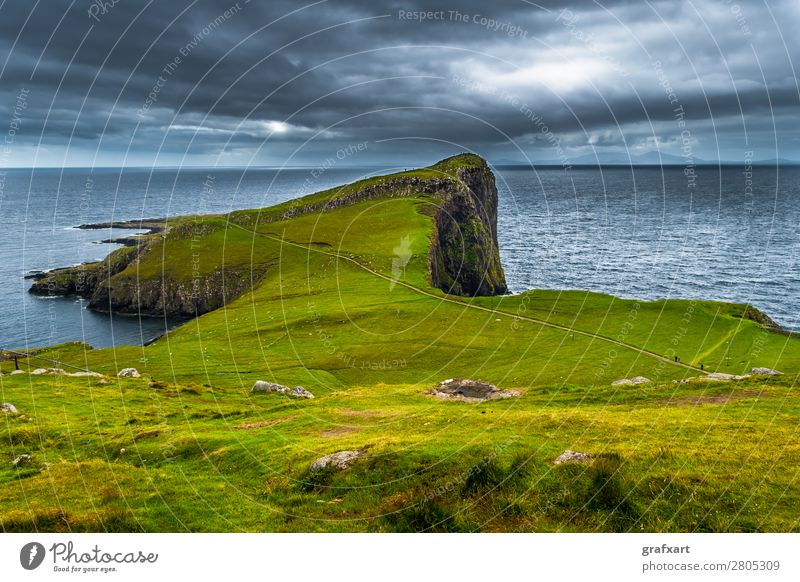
765,372
719,377
297,391
470,390
300,392
128,373
629,381
102,381
17,372
40,371
22,460
340,460
573,457
7,407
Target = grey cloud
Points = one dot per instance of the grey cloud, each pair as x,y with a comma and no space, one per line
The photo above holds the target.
346,65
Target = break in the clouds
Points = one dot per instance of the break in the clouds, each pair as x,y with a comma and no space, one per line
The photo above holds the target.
234,83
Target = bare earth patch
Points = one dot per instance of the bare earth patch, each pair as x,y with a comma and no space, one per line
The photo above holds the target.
260,423
338,431
360,413
711,398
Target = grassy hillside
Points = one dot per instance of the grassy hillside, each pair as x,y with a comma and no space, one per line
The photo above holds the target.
342,305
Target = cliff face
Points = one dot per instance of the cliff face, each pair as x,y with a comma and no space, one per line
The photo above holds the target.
158,296
154,277
116,284
83,280
168,296
464,256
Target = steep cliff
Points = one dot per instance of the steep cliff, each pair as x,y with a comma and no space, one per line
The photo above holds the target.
83,280
464,256
182,272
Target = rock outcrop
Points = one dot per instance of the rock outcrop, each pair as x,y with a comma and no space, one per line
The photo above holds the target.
470,390
339,460
40,371
297,391
128,373
573,457
630,381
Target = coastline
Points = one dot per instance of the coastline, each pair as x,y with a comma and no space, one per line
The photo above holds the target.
150,226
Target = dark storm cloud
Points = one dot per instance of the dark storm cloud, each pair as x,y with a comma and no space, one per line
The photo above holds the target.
233,79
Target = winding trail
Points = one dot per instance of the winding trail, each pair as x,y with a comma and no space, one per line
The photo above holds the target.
464,303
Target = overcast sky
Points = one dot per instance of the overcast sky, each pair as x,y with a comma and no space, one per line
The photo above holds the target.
219,82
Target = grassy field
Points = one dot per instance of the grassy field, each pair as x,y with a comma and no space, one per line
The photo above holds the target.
344,308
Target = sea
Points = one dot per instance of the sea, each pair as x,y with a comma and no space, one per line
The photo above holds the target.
727,233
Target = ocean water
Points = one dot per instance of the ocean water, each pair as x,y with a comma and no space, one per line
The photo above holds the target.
644,233
725,234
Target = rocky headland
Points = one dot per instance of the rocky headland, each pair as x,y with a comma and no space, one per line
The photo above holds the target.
463,254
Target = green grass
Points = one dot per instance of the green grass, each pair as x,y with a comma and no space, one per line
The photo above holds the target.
670,459
335,313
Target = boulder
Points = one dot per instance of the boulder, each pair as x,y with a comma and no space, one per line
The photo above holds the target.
129,373
262,386
470,390
297,391
765,372
630,381
22,460
40,371
719,377
17,372
340,460
7,407
573,457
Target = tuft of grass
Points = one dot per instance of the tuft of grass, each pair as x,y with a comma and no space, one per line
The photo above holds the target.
426,516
